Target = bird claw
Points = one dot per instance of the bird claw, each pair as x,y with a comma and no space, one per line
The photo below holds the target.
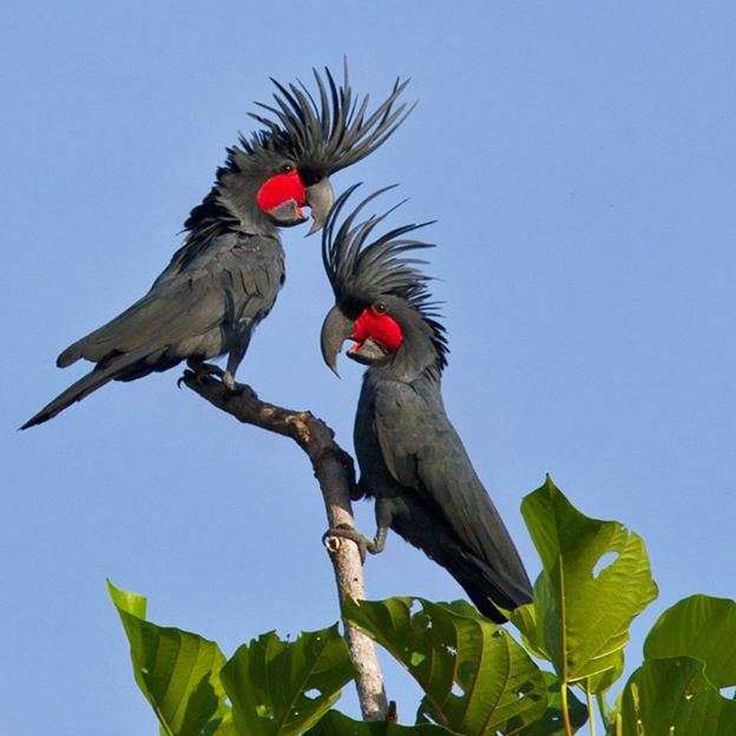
208,370
343,531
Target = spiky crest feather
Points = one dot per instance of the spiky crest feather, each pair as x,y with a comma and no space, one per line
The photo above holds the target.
329,135
319,138
361,273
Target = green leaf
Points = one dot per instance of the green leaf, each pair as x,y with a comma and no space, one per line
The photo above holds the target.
526,618
126,600
476,678
336,724
176,671
672,696
224,727
581,620
603,680
280,688
550,724
700,627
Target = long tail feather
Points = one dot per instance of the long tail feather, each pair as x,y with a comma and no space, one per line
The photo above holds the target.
485,581
485,586
83,387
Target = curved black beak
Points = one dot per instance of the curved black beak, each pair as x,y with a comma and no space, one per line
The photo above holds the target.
320,198
335,330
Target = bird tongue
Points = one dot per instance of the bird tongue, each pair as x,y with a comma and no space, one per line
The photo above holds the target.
367,352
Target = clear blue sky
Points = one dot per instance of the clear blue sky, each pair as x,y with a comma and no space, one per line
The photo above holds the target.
580,160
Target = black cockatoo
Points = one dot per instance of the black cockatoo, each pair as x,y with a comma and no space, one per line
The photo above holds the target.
225,278
411,459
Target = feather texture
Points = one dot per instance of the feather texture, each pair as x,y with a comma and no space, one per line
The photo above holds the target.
206,309
361,271
331,134
412,460
225,277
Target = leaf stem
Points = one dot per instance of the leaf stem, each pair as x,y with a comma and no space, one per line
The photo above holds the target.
604,709
591,712
565,709
563,643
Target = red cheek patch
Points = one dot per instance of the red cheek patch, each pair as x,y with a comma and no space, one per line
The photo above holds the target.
281,188
380,327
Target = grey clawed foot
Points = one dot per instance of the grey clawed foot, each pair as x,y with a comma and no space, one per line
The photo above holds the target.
346,532
365,544
203,370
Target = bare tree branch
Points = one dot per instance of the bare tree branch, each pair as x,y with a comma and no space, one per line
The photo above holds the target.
335,473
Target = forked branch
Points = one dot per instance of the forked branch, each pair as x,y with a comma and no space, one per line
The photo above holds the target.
335,473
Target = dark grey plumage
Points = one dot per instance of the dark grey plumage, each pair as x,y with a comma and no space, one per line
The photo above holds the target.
411,459
226,276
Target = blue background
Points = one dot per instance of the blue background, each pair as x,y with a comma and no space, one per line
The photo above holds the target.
580,160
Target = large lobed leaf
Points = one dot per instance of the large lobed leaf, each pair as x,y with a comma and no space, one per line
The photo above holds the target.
701,627
280,688
177,671
580,617
689,653
672,696
477,680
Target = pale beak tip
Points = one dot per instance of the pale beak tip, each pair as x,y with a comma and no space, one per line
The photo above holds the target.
316,227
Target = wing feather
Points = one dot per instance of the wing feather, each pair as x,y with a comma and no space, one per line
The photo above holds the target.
423,451
233,279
